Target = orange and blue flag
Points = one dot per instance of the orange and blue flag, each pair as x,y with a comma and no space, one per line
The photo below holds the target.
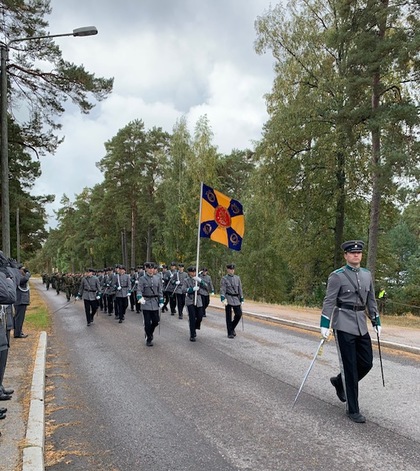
222,218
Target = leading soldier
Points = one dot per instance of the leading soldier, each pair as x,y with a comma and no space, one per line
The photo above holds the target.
350,298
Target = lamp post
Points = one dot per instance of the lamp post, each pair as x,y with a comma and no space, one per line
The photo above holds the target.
5,198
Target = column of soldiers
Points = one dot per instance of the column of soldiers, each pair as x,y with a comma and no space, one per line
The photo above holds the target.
113,290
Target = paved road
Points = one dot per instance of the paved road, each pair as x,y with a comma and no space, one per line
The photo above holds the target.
217,404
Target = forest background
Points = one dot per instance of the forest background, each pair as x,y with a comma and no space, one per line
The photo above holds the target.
338,159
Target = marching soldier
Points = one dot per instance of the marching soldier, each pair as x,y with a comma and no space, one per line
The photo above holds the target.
193,301
232,297
150,296
177,282
349,299
90,292
122,284
170,288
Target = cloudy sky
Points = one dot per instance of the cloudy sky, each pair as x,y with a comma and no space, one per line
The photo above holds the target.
169,58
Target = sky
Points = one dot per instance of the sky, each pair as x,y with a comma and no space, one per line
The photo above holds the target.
169,58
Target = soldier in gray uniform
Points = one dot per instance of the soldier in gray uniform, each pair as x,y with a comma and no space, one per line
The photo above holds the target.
90,292
150,296
232,297
122,283
350,298
194,303
176,282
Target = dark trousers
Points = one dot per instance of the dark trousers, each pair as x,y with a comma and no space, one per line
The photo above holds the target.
109,303
195,316
206,302
180,303
121,305
231,324
172,303
357,360
166,301
90,309
3,358
151,321
19,318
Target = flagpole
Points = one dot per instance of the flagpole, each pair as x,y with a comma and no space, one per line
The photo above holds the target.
198,240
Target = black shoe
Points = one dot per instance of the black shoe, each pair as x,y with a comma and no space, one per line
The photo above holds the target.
231,336
110,314
338,388
149,343
7,391
192,339
357,417
120,321
3,410
5,397
2,416
21,336
180,317
234,333
88,324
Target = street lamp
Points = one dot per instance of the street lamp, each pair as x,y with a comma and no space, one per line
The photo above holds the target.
5,199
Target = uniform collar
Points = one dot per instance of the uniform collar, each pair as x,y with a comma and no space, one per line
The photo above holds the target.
352,268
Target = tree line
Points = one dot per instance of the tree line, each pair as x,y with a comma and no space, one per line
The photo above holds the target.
338,159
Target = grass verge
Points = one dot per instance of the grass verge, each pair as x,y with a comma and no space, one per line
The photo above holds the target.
37,317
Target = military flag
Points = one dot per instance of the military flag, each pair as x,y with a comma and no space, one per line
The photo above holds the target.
221,218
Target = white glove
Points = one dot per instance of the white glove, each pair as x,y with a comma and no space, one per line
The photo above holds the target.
160,305
325,332
98,297
177,282
119,288
196,288
225,302
197,278
142,301
378,329
77,298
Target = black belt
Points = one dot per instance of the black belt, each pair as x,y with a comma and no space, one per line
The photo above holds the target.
144,296
352,307
232,294
91,290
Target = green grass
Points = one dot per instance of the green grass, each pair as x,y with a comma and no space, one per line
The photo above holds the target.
37,317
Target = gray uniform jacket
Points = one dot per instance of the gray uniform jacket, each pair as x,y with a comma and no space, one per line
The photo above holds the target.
178,276
231,289
22,290
150,288
7,297
343,304
123,281
187,288
207,287
89,288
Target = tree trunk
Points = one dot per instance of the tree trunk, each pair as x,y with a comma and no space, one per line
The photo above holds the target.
339,209
133,235
376,155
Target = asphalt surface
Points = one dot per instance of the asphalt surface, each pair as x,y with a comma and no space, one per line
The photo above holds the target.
217,404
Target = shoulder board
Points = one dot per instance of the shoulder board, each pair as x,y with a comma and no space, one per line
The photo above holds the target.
339,270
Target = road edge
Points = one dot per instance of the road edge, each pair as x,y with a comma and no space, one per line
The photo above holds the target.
33,452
